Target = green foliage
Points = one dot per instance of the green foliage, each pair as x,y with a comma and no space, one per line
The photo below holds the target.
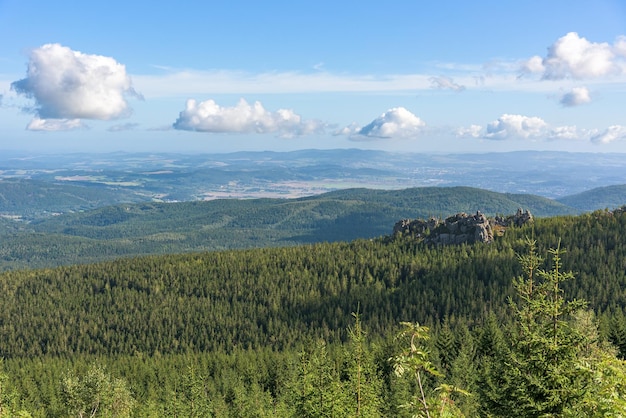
610,197
10,402
549,367
165,228
338,384
363,385
35,199
319,388
281,296
606,395
269,332
96,394
415,360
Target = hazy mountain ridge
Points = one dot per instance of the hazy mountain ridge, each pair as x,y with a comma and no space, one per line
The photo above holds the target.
109,179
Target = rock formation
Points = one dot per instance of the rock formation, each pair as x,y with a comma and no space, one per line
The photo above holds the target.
519,219
460,228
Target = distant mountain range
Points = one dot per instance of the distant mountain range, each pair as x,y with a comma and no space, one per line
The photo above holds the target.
35,187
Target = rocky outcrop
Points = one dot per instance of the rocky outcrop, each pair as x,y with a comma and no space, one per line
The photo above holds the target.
520,218
460,228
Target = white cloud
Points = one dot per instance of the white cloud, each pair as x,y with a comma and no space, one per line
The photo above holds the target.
51,125
516,126
397,122
509,127
533,65
351,129
67,84
576,96
473,131
572,56
620,46
610,134
443,82
208,116
566,133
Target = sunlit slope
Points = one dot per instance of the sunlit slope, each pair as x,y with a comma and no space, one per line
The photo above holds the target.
280,297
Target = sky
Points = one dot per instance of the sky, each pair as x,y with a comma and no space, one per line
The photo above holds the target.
410,76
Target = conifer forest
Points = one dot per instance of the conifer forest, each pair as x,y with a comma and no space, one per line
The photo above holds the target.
530,325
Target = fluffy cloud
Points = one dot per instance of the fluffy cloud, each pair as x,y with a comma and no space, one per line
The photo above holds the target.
394,123
620,46
349,130
508,127
208,116
51,125
572,56
67,84
473,131
516,126
576,96
533,65
567,133
443,82
612,133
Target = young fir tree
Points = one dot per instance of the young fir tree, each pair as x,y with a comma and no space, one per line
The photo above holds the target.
552,366
318,391
363,386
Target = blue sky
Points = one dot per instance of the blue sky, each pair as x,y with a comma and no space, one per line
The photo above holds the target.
418,76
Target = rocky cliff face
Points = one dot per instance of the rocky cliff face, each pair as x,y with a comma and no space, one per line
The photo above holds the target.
459,228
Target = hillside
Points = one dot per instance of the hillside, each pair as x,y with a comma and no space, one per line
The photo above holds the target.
34,199
290,293
238,332
158,228
609,197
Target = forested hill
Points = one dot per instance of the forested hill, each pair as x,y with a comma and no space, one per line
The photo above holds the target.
271,331
280,297
158,228
598,198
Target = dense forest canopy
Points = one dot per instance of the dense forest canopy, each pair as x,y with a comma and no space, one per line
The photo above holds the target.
153,321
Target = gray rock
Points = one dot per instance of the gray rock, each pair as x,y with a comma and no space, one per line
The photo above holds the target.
460,228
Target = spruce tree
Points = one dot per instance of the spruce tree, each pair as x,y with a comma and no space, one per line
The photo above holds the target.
363,386
552,365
